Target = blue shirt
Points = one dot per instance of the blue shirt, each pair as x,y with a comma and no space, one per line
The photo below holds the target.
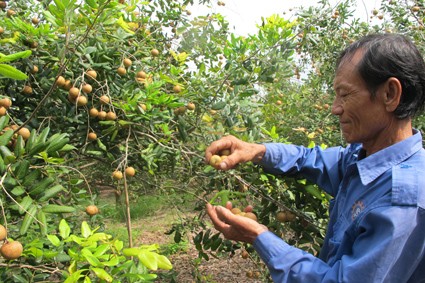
376,230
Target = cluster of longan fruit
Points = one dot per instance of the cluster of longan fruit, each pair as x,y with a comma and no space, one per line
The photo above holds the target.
118,175
216,159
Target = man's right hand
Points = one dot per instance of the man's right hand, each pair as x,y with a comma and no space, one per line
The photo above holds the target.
240,151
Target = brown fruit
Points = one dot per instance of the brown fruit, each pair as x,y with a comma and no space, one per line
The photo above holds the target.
177,88
92,74
251,215
281,216
415,9
154,52
121,71
3,5
180,110
60,81
290,216
215,160
111,116
93,112
92,210
92,136
117,175
87,88
67,85
82,100
225,152
74,92
141,74
3,111
34,69
243,187
71,99
27,89
236,210
24,132
130,172
244,254
127,62
1,30
101,115
285,216
104,99
11,250
6,102
35,21
143,106
3,233
191,106
10,13
279,102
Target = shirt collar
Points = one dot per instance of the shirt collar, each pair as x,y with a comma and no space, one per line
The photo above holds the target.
376,164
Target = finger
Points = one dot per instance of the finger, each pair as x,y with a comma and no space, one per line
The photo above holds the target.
214,148
228,163
249,208
212,213
229,205
224,215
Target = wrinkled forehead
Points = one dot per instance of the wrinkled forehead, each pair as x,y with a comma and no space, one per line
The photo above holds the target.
347,72
350,60
348,67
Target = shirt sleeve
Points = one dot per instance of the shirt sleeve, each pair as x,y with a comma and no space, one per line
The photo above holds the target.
387,249
321,166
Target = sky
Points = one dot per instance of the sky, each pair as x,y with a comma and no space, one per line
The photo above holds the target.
244,15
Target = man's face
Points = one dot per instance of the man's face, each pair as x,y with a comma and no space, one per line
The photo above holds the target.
362,118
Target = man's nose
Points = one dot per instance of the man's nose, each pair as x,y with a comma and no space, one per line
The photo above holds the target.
336,108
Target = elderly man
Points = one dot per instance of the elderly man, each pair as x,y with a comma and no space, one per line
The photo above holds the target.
376,231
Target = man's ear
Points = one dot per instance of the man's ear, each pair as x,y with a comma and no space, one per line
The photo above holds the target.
392,94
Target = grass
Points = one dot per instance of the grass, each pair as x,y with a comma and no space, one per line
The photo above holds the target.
150,214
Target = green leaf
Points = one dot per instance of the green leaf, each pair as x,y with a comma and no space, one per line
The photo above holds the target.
148,259
85,229
102,274
75,276
64,229
4,120
219,105
94,261
18,190
131,251
113,260
54,240
101,250
118,245
11,72
163,262
15,56
5,137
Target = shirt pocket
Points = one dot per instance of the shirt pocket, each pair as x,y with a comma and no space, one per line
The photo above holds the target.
340,228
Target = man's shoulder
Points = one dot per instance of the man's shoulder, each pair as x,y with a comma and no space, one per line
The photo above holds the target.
408,181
